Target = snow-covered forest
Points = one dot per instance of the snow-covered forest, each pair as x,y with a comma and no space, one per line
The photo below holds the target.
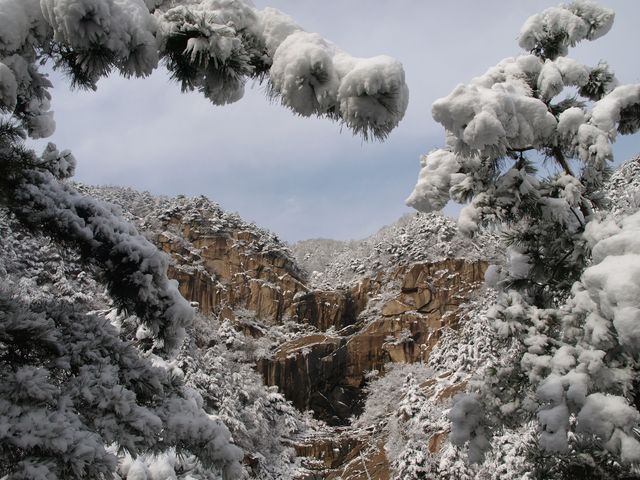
147,337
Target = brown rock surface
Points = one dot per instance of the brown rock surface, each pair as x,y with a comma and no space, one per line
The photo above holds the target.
220,271
344,455
395,316
327,375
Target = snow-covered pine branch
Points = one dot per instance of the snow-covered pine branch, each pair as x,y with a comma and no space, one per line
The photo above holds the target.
71,387
134,269
212,46
541,103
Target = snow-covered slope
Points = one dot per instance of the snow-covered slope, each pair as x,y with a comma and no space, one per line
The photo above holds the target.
152,213
214,361
413,238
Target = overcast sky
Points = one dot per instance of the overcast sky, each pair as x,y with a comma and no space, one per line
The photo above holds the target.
305,178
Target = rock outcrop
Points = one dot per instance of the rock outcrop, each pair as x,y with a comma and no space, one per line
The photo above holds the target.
344,455
224,271
325,373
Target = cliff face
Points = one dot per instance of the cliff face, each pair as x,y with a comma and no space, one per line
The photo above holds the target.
396,315
231,273
400,317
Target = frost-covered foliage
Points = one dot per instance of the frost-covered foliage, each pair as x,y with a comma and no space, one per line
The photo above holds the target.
213,373
562,367
213,46
72,388
414,238
538,104
133,268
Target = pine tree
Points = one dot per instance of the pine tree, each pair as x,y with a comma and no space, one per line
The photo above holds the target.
538,105
567,317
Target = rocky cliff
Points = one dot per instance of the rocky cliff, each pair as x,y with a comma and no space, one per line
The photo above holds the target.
390,307
399,317
392,315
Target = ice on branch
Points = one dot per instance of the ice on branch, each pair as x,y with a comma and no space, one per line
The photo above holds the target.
135,268
102,33
466,426
609,418
589,374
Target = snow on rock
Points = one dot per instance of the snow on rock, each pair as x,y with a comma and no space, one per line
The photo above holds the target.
150,212
414,238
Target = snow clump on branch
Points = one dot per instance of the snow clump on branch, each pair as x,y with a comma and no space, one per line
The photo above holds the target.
553,31
212,46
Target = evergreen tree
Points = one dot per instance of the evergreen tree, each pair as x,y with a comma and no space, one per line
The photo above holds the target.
540,104
568,314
